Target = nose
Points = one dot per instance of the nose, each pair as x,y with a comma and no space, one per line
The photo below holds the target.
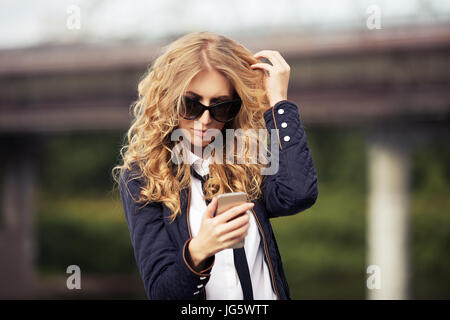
205,117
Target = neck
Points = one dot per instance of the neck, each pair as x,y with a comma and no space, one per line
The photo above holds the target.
198,151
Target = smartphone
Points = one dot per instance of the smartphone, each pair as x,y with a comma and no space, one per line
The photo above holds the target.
226,201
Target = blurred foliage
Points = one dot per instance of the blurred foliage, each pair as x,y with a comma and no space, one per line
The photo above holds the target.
89,232
80,164
81,221
339,157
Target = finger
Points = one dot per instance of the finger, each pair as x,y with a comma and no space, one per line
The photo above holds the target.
211,208
236,235
264,66
237,212
262,53
234,212
236,223
281,60
273,56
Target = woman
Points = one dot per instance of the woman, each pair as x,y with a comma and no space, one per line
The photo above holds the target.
207,83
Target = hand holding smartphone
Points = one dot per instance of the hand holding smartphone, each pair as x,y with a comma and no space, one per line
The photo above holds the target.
226,201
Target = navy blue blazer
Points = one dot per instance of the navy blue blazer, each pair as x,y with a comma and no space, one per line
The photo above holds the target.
160,247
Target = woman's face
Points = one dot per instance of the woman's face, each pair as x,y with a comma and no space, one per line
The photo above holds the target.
209,87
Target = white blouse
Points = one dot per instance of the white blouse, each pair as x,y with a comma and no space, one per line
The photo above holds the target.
224,282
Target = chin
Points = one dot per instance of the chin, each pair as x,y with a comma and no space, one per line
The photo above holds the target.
199,142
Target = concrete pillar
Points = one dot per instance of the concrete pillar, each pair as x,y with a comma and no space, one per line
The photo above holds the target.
388,216
17,275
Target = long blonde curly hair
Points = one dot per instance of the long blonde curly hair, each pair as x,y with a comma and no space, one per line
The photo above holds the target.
155,115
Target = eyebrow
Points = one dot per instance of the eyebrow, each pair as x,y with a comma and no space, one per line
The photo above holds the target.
215,98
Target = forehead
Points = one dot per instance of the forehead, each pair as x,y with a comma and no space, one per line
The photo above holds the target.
209,84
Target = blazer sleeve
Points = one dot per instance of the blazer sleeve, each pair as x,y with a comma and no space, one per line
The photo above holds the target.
293,187
162,264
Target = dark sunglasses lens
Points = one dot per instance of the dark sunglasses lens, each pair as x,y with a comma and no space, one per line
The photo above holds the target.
190,108
226,111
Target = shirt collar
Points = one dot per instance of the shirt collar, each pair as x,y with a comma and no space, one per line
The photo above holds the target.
200,165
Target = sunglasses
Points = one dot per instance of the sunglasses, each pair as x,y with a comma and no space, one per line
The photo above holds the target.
224,111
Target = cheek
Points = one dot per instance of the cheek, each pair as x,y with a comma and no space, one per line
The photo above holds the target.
186,125
218,125
183,123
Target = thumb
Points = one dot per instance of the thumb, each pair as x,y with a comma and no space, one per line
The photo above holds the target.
211,208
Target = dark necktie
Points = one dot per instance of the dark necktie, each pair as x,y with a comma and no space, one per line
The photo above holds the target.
240,259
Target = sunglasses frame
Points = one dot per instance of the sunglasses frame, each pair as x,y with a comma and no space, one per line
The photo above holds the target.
211,108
